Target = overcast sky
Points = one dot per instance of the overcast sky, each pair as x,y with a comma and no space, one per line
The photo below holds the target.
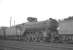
42,9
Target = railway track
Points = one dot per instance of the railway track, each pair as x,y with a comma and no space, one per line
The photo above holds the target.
9,48
34,48
31,46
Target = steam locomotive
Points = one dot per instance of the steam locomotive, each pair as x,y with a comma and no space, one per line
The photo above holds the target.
32,31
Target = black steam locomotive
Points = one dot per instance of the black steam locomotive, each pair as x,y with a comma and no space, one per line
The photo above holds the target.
32,31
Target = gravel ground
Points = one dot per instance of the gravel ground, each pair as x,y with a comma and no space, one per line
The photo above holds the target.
14,45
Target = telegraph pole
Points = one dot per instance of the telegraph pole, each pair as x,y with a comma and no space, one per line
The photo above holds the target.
15,27
10,22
